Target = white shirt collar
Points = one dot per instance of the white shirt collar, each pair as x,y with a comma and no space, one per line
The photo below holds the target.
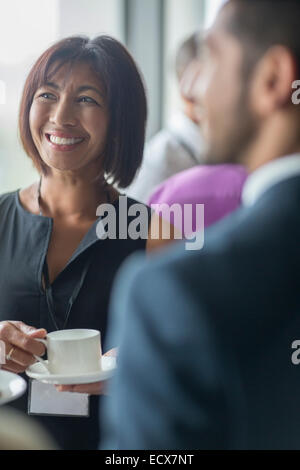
268,175
188,132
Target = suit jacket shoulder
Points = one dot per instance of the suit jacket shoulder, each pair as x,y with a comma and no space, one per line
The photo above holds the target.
205,337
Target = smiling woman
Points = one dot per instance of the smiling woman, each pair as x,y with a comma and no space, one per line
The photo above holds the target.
82,108
82,122
107,83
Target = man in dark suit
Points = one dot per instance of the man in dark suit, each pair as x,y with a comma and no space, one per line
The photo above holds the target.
207,351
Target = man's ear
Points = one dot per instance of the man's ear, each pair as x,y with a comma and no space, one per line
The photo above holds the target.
272,81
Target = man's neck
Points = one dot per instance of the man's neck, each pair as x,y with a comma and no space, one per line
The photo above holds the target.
274,141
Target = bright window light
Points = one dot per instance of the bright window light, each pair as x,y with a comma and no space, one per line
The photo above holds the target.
26,28
2,98
212,8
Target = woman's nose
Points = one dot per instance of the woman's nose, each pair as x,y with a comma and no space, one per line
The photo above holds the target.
63,114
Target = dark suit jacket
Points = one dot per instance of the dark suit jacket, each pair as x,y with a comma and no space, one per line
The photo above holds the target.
205,337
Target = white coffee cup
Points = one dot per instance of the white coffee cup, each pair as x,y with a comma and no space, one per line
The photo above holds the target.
72,352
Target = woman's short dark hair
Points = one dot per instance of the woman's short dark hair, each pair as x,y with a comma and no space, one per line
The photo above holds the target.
125,98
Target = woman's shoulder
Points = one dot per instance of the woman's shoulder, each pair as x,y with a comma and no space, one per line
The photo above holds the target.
28,197
25,197
7,199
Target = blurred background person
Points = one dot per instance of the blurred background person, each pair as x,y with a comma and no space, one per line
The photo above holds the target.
218,188
179,145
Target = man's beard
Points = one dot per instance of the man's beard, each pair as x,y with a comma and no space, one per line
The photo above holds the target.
241,129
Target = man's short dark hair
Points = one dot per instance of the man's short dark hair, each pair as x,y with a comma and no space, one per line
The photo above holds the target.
261,24
124,95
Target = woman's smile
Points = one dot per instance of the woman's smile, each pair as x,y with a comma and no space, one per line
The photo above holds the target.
69,119
63,142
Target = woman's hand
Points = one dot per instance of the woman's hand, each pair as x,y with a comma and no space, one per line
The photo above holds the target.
97,388
20,346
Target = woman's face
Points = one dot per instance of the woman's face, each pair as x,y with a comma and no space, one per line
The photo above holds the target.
69,119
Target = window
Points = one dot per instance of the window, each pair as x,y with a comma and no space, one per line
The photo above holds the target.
211,9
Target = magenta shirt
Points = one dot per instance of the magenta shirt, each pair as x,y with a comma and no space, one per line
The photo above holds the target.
218,187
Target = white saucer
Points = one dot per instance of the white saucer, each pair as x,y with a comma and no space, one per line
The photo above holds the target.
12,386
39,372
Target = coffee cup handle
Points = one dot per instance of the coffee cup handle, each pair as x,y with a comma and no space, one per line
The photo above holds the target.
45,363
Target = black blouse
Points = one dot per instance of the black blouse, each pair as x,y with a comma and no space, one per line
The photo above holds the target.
24,240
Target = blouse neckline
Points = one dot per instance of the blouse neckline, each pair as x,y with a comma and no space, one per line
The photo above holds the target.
87,241
25,211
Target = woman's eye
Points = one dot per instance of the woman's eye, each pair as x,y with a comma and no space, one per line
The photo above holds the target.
86,99
47,96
